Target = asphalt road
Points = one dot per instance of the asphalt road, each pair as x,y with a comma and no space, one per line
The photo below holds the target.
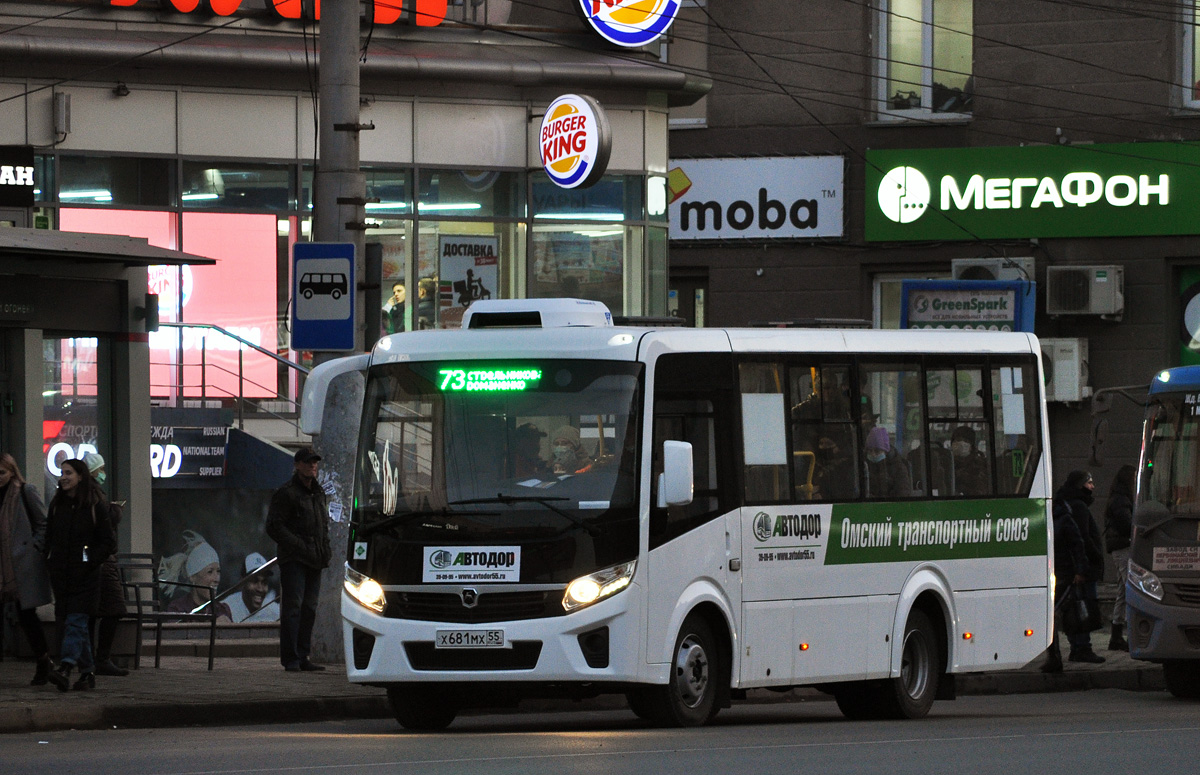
1098,733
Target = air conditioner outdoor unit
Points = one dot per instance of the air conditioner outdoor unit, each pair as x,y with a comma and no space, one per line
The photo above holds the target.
992,268
1085,290
1065,364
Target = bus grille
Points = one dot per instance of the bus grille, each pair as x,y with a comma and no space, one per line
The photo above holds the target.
1188,594
522,656
490,606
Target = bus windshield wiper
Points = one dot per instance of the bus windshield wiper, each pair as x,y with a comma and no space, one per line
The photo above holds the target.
408,516
547,502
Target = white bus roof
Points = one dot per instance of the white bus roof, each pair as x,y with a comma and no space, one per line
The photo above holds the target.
627,344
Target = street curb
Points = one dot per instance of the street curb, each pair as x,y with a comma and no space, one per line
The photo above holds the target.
214,714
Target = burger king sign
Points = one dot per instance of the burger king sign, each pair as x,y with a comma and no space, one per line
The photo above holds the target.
629,23
575,141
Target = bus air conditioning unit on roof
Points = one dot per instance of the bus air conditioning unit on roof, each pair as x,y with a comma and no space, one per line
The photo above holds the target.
1065,364
1086,290
992,268
536,313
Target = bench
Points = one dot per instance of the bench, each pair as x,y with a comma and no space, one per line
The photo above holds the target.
147,606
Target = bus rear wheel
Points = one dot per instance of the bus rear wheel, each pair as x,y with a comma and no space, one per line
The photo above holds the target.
1183,678
422,708
911,695
689,698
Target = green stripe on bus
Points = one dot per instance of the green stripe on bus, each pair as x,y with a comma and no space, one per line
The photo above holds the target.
943,530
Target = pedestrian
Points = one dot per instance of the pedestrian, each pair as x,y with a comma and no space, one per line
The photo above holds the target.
887,473
103,628
1076,495
79,536
298,521
393,310
25,581
1069,564
1118,532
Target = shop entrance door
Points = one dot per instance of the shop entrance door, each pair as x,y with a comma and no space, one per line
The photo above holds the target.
688,296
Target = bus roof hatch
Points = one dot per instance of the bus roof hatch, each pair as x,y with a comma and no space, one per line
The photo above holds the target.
536,313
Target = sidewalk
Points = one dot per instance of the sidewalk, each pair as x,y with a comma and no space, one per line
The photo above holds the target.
245,690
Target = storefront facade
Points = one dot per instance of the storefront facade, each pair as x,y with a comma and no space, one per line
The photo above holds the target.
195,129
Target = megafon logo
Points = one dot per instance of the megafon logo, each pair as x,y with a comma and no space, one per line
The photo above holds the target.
629,23
904,194
575,141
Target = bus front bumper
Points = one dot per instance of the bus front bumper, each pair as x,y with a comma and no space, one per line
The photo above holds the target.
596,644
1159,632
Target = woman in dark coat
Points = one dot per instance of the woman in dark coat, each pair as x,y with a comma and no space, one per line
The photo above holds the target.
79,536
22,565
1076,494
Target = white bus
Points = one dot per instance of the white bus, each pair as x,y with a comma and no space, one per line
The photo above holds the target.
546,504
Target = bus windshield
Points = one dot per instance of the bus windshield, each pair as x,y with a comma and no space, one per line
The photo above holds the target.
501,451
1169,488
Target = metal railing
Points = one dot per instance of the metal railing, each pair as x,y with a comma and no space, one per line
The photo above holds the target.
242,380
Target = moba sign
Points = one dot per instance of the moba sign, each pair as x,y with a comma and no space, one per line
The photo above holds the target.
629,23
1040,191
575,141
768,198
425,13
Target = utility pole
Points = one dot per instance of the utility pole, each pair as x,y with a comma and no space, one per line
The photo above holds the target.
339,201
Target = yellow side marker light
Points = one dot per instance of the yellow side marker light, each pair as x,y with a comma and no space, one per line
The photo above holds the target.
1028,633
967,636
804,647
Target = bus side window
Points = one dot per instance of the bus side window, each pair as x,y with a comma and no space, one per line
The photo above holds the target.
824,445
1015,409
692,421
764,433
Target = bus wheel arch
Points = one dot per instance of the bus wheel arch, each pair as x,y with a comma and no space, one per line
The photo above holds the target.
698,684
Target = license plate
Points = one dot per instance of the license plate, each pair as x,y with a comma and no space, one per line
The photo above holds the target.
469,639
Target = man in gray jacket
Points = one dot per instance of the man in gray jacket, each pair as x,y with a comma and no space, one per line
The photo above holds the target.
298,521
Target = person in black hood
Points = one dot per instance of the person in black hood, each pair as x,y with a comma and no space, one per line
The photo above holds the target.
1070,564
1118,530
1076,495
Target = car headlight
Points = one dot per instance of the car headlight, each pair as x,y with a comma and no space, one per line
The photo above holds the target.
365,590
1145,581
586,590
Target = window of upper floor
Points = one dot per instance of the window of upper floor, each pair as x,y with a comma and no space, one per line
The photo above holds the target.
1190,80
925,52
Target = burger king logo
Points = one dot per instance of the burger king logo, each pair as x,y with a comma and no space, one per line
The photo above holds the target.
630,23
575,141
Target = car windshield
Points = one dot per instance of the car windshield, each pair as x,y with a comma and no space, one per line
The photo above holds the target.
491,450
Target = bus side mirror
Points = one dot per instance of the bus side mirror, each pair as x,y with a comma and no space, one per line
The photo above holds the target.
675,483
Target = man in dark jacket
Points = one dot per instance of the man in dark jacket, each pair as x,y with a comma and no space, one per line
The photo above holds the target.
1070,562
1076,494
298,521
1118,530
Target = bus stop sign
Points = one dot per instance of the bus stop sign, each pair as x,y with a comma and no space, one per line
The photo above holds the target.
323,296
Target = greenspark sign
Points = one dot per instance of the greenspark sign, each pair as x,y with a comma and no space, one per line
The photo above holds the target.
1108,190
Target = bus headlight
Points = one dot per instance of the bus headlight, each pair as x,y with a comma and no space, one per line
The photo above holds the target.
1145,581
365,590
586,590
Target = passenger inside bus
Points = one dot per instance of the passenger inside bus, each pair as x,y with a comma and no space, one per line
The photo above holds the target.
569,455
887,471
971,475
834,478
526,455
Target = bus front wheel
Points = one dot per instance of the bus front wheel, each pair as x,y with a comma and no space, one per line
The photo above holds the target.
689,698
1182,678
422,708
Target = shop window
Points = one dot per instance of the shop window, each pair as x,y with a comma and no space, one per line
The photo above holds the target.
459,263
114,181
76,402
613,198
43,173
925,57
226,186
581,261
887,296
470,194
